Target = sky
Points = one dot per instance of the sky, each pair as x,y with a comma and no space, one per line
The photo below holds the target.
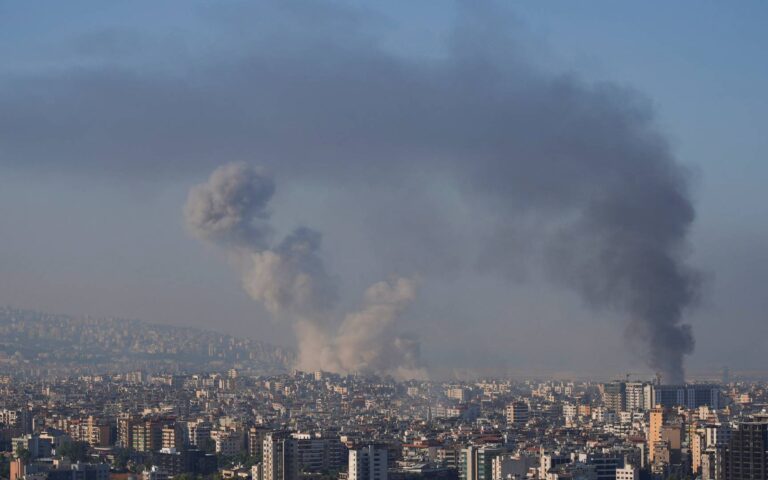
110,112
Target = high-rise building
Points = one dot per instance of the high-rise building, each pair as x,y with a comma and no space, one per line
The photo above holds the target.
368,463
228,442
147,436
517,413
457,393
619,396
605,464
98,432
549,460
199,432
317,453
654,430
635,393
688,395
172,437
697,443
711,464
506,466
746,456
476,463
614,396
256,437
279,460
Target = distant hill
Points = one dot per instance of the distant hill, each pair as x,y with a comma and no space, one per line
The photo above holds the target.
39,343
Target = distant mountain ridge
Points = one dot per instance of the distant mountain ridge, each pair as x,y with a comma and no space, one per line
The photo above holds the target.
37,342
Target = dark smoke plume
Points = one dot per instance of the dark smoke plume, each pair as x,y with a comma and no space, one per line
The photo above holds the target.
572,171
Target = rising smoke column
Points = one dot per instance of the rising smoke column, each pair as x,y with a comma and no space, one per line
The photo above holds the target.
624,251
290,280
367,338
331,104
230,210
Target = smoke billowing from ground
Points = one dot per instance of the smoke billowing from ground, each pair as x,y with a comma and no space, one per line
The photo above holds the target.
290,280
569,176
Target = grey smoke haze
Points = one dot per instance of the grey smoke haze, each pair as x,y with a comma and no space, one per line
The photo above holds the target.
232,207
290,280
479,128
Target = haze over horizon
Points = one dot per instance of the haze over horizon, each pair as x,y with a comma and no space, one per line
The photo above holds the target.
491,158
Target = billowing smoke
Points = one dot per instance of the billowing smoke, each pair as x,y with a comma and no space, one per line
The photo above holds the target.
474,155
290,280
367,340
623,251
291,276
231,208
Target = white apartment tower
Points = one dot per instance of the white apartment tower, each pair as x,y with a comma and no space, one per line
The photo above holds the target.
368,463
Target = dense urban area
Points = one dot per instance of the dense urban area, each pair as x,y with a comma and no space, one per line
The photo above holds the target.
150,418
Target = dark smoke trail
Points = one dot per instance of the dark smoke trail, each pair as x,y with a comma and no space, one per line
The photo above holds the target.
478,127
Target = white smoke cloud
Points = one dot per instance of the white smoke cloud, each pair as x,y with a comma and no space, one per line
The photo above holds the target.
291,277
290,280
368,340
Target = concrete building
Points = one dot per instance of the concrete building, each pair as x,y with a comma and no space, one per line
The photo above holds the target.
746,456
614,396
688,395
255,441
316,452
551,460
654,430
279,460
605,464
628,472
368,463
518,413
511,467
635,396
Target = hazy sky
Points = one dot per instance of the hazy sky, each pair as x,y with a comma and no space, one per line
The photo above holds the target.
111,111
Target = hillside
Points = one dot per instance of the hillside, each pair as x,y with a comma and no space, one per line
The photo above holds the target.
37,343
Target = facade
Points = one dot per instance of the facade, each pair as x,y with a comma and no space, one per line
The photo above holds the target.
711,465
256,437
172,437
199,433
476,463
551,460
605,465
518,413
506,466
635,396
368,463
279,461
147,436
186,461
614,396
689,395
627,472
228,442
746,456
317,453
654,430
457,393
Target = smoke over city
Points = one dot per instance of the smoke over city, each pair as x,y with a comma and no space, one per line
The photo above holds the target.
290,280
473,161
